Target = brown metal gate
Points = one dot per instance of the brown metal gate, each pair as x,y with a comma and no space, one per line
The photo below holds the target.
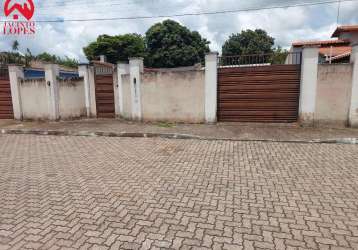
6,111
259,92
104,91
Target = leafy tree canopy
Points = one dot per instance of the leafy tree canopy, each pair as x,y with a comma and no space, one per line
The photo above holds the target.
248,42
25,59
170,44
15,45
279,56
116,48
65,61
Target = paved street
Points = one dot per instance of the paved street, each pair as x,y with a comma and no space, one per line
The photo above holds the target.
124,193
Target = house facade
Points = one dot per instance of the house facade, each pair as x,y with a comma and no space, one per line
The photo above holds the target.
335,50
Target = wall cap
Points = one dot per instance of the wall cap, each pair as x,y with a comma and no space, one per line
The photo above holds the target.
15,67
135,58
212,53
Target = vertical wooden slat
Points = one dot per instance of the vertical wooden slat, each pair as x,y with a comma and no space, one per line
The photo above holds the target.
105,95
6,110
259,94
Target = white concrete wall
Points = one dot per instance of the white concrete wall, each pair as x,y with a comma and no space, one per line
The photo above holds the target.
34,100
211,83
51,76
122,69
334,86
72,101
174,96
353,110
92,91
135,69
308,92
127,101
16,73
83,71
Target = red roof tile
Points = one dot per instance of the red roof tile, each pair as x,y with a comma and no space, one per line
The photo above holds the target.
340,56
336,51
319,43
345,28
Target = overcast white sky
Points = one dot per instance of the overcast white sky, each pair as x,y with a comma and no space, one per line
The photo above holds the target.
285,25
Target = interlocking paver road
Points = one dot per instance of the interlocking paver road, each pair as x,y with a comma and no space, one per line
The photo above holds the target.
122,193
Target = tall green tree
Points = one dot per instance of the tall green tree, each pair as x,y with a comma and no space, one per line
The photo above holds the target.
15,45
116,48
279,56
170,44
248,42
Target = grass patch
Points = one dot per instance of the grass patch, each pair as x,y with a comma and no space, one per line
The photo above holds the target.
165,125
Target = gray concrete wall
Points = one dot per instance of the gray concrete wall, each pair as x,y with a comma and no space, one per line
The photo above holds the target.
334,87
175,96
127,106
72,100
34,100
352,37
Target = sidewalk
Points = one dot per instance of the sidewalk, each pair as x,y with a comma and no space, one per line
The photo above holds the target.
241,131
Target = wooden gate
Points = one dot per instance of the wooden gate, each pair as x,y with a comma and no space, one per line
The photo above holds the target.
259,90
6,111
104,91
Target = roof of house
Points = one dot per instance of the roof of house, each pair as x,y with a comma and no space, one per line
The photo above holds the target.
345,28
335,48
335,51
33,73
320,42
341,56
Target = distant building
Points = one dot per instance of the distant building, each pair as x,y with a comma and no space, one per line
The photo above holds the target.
336,50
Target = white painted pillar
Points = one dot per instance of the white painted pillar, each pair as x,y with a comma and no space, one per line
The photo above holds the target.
211,84
16,74
83,71
51,73
136,67
122,69
353,111
309,73
92,90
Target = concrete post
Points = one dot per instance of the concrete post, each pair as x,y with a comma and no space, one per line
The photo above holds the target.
309,72
136,67
83,71
16,74
102,58
122,69
211,83
353,111
51,73
92,90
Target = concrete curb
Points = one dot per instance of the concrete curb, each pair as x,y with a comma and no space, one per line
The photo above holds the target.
165,136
